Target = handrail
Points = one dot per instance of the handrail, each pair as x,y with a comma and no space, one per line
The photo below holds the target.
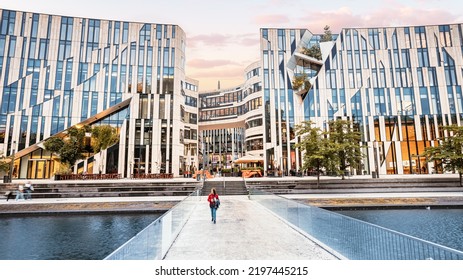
352,238
154,241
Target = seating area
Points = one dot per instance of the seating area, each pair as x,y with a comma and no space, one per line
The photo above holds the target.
62,177
200,173
152,176
251,173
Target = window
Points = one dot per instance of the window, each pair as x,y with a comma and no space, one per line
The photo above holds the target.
407,37
145,34
420,37
125,33
117,32
265,34
423,57
373,36
158,31
445,36
7,24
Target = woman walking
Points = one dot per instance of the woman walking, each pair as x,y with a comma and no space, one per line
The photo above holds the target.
214,203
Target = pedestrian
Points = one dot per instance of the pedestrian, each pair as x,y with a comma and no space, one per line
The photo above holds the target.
20,193
214,203
29,189
8,194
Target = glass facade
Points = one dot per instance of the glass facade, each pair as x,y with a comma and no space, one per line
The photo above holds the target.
57,72
397,84
230,122
281,102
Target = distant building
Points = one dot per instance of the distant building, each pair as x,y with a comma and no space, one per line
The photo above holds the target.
230,122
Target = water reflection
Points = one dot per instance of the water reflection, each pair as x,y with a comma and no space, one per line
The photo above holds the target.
441,226
69,237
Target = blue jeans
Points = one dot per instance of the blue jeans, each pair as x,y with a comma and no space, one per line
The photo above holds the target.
19,195
213,213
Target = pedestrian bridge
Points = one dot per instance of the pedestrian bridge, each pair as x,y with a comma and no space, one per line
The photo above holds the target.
263,226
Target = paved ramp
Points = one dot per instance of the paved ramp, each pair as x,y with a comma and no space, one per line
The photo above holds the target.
245,230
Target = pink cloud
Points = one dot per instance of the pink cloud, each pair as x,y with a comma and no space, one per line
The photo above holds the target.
208,39
393,15
223,40
249,39
209,63
271,19
228,76
226,72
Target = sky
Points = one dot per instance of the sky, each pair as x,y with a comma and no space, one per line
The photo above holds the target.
223,36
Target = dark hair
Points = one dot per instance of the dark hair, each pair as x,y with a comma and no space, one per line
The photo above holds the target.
214,191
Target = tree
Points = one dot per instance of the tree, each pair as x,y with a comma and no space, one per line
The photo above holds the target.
345,141
315,146
5,163
70,148
54,144
327,36
449,152
301,82
103,137
313,51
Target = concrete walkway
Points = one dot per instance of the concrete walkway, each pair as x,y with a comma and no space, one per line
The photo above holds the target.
245,230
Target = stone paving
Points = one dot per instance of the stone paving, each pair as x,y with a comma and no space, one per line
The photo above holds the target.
245,230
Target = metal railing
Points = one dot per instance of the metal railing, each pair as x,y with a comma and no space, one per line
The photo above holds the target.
352,238
153,242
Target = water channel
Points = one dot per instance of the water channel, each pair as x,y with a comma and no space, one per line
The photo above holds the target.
440,226
68,237
93,237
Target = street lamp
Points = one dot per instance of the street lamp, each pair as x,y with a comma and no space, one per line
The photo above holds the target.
418,165
375,154
10,172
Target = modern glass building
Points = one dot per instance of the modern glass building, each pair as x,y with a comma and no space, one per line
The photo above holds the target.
397,84
57,72
280,49
230,122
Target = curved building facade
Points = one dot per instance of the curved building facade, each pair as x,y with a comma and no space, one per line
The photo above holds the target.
57,72
230,122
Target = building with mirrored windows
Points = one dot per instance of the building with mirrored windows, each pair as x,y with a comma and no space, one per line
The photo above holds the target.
398,85
57,72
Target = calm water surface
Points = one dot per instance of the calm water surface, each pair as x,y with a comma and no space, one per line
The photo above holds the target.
441,226
68,237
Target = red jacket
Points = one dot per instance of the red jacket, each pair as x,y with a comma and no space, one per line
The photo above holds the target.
211,197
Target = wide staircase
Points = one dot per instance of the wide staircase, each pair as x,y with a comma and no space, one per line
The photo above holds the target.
225,187
107,189
289,185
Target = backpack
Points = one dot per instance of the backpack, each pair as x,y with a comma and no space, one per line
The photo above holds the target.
215,202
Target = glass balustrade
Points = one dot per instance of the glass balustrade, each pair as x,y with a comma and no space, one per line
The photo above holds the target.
352,238
154,241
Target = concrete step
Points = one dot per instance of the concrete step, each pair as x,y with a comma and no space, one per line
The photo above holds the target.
225,187
112,189
357,185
